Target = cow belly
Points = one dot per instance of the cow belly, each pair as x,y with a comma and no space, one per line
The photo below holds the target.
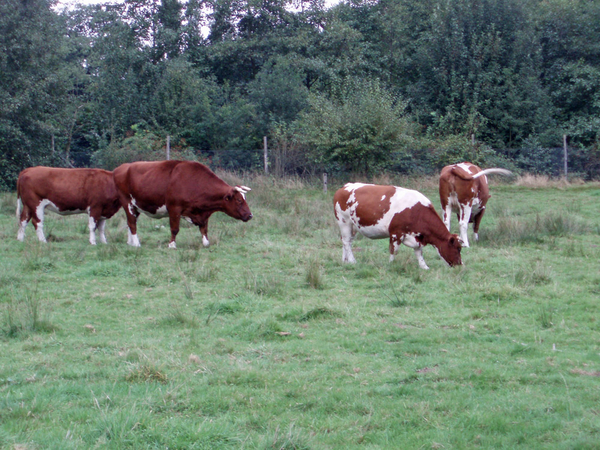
50,206
476,207
377,231
159,213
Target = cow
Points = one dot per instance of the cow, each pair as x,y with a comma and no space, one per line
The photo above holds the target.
402,215
177,189
66,192
464,190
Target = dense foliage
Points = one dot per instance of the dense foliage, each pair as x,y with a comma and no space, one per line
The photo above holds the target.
362,86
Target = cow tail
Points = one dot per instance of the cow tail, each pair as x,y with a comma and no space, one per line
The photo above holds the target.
493,170
19,202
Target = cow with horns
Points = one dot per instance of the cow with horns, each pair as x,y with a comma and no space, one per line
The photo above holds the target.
177,189
464,190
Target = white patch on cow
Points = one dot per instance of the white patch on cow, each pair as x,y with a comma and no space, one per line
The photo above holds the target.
39,211
401,200
466,167
419,255
205,241
395,246
382,198
92,227
132,239
159,214
21,233
101,227
172,244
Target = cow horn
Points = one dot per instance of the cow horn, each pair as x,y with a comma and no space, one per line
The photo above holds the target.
242,189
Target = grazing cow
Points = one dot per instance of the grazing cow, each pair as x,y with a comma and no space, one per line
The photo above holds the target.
464,190
402,215
177,189
65,192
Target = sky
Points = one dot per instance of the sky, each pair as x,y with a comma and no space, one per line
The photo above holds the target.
62,3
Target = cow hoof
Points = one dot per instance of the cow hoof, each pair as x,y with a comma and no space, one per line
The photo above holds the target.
172,244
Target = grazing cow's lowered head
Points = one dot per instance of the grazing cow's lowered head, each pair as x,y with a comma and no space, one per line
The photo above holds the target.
235,205
464,190
402,215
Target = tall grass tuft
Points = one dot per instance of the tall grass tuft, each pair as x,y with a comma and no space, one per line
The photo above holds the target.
314,277
23,315
545,317
267,285
146,372
515,230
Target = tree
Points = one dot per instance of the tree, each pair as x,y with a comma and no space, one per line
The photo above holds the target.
362,128
33,84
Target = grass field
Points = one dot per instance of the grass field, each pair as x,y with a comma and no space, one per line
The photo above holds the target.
267,341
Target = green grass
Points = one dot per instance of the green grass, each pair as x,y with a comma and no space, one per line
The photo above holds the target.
266,340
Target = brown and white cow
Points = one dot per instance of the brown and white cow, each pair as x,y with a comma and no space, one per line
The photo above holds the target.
464,190
177,189
65,192
402,215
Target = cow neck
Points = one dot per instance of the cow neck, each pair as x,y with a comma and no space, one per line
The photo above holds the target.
436,233
216,201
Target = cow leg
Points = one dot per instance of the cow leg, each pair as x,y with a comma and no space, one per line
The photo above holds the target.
410,240
394,244
132,216
419,255
463,223
348,232
174,218
92,226
101,229
24,218
476,222
447,215
37,220
204,231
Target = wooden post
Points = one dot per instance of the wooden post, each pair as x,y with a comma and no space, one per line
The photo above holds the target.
565,153
266,156
324,182
168,148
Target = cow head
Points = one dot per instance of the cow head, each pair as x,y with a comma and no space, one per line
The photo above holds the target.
235,203
450,250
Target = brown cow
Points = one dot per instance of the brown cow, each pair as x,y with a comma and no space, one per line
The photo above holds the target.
464,190
65,192
177,189
402,215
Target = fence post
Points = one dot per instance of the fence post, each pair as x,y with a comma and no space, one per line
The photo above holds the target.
168,147
266,155
565,153
324,182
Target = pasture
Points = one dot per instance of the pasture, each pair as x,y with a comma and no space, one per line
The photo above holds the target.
266,340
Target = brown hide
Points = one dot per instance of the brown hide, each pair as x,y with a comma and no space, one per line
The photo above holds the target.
402,215
182,188
71,191
467,194
370,206
425,223
453,179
